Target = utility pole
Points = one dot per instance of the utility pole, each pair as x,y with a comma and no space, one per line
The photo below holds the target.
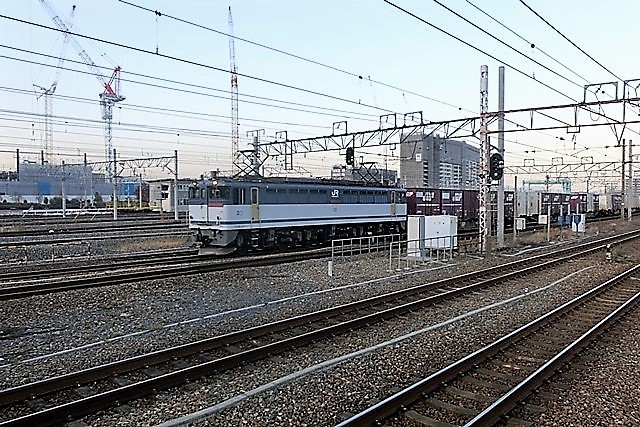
630,193
255,152
515,207
175,188
484,220
114,174
624,200
500,195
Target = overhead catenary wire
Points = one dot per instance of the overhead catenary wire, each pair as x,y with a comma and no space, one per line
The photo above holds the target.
182,83
292,55
159,110
533,45
198,64
43,26
487,54
187,61
506,44
569,40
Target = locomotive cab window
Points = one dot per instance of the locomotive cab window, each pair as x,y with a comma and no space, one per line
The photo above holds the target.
194,192
218,193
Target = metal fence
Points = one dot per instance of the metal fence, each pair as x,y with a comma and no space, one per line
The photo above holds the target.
402,253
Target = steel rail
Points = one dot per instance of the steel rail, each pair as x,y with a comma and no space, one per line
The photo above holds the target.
158,272
509,400
23,392
108,263
164,272
79,232
84,407
404,398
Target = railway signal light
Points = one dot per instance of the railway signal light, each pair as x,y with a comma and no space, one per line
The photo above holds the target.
350,156
496,166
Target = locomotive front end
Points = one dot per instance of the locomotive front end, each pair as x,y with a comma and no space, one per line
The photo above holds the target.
209,202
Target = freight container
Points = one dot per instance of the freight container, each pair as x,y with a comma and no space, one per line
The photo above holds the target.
451,202
470,205
528,203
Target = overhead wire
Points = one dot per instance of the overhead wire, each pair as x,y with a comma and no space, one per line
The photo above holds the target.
569,40
195,63
477,27
117,44
285,85
215,96
488,54
533,45
292,55
137,107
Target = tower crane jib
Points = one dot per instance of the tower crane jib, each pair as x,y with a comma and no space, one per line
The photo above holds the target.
111,88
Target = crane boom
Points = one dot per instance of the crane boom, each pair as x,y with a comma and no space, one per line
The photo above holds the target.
95,70
47,93
111,88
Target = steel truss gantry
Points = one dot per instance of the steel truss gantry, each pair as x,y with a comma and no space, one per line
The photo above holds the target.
115,168
397,128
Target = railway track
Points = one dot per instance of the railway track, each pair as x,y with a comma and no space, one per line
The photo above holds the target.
143,375
48,232
111,264
483,387
150,270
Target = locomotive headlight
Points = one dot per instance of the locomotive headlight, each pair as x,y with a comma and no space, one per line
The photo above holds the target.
214,182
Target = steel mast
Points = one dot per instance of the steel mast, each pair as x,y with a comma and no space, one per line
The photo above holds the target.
235,131
48,92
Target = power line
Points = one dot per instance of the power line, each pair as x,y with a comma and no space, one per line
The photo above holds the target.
506,44
50,28
292,55
527,41
198,64
165,111
198,86
567,39
476,48
490,56
268,81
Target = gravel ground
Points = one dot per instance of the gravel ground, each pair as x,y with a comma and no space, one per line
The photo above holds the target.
600,387
83,250
42,325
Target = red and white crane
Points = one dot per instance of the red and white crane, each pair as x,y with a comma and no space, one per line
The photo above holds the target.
47,93
235,131
111,88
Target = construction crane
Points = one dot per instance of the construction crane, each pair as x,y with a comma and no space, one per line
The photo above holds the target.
235,131
111,93
47,93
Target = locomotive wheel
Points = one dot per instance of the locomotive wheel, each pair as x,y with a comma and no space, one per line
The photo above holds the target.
241,240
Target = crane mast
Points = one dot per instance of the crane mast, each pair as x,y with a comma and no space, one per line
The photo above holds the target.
111,88
47,93
235,131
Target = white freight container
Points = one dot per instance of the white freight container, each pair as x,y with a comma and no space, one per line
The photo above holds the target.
528,203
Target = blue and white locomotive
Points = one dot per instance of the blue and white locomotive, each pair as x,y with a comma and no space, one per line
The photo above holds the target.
284,212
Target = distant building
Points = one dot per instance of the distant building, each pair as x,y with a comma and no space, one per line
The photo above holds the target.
36,183
432,161
366,172
42,183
